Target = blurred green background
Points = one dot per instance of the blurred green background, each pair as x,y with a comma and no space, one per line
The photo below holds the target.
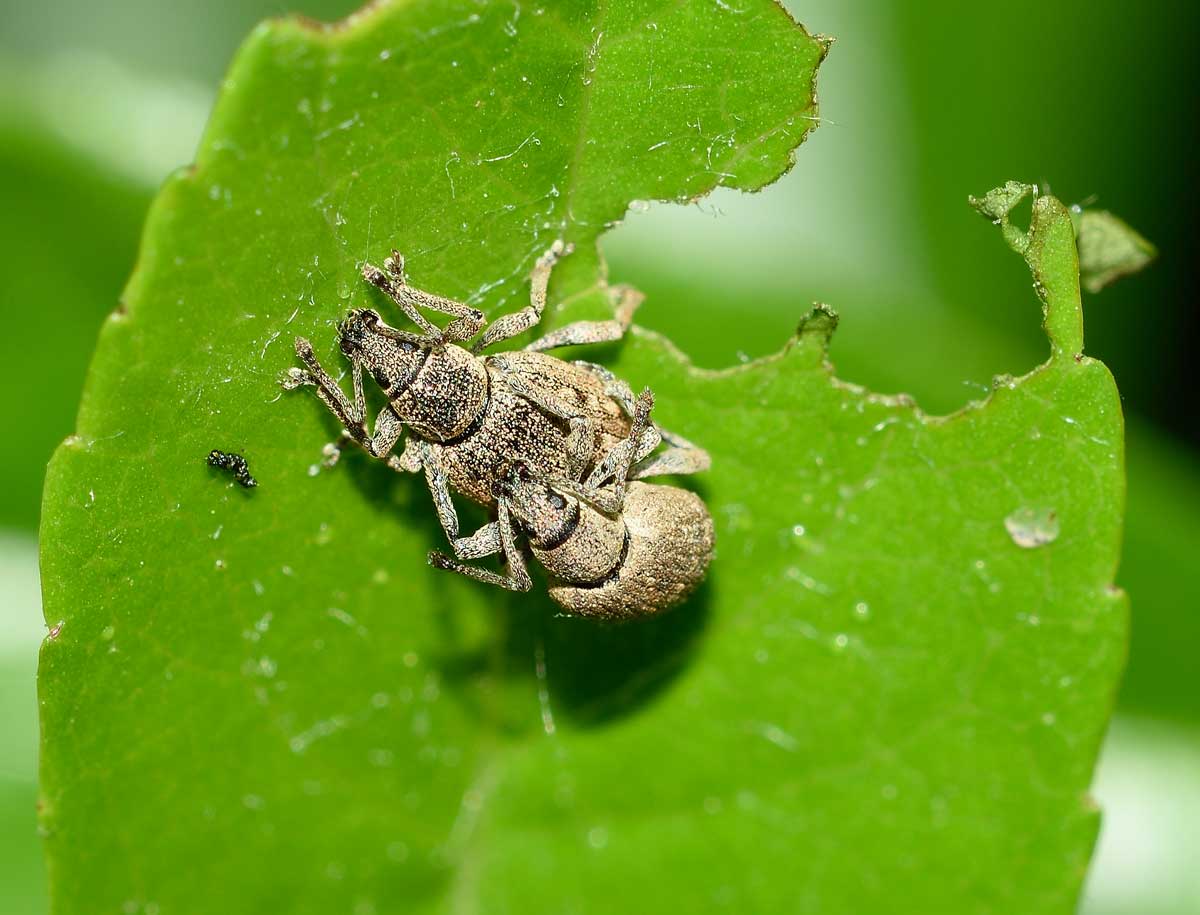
922,104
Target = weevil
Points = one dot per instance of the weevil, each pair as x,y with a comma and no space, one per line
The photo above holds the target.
645,559
471,417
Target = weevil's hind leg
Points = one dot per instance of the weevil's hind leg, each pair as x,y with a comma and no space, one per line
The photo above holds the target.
583,332
467,321
680,457
508,326
517,578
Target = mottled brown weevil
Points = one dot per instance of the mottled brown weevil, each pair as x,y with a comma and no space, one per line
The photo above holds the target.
472,417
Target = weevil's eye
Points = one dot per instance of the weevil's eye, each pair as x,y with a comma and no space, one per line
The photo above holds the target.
556,501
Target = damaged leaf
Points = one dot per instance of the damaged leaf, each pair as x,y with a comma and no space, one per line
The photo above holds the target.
264,700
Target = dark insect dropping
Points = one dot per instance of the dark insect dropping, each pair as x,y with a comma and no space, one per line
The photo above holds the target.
235,464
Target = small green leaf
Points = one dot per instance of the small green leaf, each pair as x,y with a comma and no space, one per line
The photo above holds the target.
1108,248
265,700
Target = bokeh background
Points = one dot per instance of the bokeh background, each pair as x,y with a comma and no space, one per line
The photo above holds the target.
923,102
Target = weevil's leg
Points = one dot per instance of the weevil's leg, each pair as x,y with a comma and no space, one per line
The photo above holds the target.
581,332
508,326
517,578
467,321
614,387
680,456
388,428
327,389
435,477
643,438
349,414
484,542
673,462
409,460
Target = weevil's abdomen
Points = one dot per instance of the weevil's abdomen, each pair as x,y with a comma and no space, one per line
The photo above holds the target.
668,544
447,395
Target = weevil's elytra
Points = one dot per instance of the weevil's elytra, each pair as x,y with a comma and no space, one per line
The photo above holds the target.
473,418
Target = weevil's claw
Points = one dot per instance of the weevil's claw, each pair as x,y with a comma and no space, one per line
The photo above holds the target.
295,378
554,252
375,276
395,266
440,560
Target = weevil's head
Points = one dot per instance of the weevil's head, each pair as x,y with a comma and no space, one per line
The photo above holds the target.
546,515
391,357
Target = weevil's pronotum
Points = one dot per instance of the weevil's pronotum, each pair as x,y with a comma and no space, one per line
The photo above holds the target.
472,417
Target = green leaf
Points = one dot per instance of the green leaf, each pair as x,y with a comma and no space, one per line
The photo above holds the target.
265,700
1108,248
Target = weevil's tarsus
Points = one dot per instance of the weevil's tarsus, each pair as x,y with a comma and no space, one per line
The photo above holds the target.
467,321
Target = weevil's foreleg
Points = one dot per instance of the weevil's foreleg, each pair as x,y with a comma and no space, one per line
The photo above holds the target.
467,321
352,415
508,326
679,457
517,578
409,460
583,332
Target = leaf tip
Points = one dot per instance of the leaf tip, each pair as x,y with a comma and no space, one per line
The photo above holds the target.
817,327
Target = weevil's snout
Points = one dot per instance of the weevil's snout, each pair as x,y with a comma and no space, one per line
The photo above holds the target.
353,331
